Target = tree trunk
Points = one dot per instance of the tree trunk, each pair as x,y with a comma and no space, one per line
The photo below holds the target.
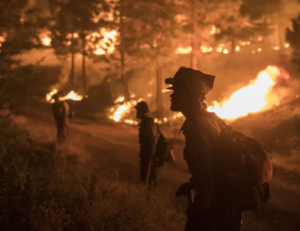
83,68
233,45
123,77
279,25
159,98
194,43
279,34
72,74
122,60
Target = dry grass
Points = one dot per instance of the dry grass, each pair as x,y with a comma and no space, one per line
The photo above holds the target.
46,188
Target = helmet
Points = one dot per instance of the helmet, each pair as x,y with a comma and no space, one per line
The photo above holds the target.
142,106
196,81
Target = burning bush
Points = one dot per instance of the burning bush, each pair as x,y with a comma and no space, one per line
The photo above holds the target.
43,188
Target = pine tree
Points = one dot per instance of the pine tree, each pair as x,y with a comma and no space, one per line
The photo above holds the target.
152,36
146,31
264,14
18,34
232,26
75,28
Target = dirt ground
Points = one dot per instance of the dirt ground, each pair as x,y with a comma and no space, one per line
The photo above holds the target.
112,149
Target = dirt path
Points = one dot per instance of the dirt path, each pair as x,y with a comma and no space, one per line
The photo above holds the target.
113,148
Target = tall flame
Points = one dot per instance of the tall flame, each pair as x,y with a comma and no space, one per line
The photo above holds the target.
249,99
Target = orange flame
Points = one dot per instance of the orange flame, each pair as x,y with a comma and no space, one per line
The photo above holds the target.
119,112
249,99
71,95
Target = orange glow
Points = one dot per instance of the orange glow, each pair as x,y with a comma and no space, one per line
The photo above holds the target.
182,50
46,41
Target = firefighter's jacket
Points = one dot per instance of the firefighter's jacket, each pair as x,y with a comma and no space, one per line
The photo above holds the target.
201,132
147,136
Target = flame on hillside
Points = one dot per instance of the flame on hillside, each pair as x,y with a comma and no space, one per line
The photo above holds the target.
71,95
249,99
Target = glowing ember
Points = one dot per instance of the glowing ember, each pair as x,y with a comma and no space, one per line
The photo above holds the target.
182,50
71,95
249,99
120,99
219,49
46,41
213,30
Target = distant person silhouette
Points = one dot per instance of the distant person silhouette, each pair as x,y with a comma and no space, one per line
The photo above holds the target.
60,111
147,136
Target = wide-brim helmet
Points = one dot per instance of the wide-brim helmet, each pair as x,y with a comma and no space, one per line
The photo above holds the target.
142,107
196,81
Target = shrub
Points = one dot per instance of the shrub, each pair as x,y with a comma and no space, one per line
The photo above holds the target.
44,188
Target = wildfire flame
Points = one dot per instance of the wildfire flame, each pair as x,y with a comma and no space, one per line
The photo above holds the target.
254,97
249,99
119,112
71,95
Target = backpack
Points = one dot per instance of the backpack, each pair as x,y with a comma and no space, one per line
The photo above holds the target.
163,150
241,160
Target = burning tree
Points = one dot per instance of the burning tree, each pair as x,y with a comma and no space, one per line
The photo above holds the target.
76,28
145,34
